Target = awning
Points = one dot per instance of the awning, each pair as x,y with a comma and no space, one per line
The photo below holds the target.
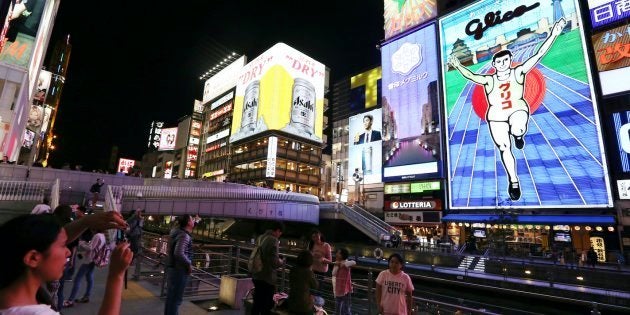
533,219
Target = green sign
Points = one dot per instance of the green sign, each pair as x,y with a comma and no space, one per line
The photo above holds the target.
424,186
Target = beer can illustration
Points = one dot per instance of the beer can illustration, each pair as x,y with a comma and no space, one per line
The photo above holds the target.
303,106
366,158
250,106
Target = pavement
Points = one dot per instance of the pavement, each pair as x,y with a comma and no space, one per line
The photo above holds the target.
141,297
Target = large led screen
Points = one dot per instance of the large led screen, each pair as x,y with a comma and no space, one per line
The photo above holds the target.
612,56
167,139
604,12
404,15
223,81
365,144
411,118
521,116
18,34
621,123
282,89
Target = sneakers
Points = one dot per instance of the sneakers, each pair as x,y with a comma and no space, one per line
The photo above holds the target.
68,303
514,190
84,299
519,142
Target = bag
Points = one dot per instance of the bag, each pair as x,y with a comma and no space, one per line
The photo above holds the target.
255,264
100,256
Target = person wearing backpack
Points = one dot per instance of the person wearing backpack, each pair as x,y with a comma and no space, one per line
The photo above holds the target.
264,275
178,263
95,189
92,248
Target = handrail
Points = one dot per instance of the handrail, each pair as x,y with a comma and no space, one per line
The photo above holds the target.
373,218
22,190
376,231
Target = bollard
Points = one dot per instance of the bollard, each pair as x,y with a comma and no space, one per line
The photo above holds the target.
369,292
163,287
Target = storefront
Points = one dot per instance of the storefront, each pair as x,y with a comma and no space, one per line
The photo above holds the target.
545,236
416,210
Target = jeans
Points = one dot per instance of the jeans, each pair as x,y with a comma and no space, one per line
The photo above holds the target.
343,304
177,280
67,274
263,297
86,270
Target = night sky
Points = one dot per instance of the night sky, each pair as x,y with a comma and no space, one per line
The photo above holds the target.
137,61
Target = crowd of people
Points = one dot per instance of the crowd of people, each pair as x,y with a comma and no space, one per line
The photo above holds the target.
393,286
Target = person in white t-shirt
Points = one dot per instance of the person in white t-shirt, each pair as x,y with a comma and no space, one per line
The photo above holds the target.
38,254
394,289
42,208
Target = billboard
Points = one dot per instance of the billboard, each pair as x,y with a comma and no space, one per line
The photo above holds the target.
523,129
621,124
623,187
365,90
282,89
365,144
604,12
125,165
18,39
404,15
411,118
612,56
223,80
155,134
167,139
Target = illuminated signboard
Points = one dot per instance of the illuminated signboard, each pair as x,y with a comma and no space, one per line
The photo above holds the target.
523,129
365,145
411,123
155,134
167,139
282,89
272,150
403,15
412,217
621,123
223,81
365,89
223,110
412,188
604,12
216,146
195,128
125,165
23,22
217,136
224,99
612,56
623,186
198,107
28,139
431,204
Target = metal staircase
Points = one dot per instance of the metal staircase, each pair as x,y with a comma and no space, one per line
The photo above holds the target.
361,219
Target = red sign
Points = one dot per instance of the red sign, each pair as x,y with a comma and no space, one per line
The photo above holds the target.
225,109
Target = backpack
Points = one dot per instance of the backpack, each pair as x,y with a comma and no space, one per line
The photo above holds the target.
101,255
255,263
94,188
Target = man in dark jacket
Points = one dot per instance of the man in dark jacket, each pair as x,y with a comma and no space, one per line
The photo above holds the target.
265,280
179,263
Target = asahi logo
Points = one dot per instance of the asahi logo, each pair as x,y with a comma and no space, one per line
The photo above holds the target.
476,27
305,104
412,205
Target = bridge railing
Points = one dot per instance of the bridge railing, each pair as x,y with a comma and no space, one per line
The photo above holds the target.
25,191
240,192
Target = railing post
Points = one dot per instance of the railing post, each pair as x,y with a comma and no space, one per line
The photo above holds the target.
163,287
369,292
137,269
237,258
283,278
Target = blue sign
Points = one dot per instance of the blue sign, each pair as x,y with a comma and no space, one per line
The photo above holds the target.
522,121
604,12
621,121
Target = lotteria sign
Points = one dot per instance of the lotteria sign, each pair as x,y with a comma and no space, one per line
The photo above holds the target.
429,204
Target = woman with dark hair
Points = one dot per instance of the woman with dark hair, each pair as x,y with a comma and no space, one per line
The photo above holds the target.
394,289
301,281
38,254
322,253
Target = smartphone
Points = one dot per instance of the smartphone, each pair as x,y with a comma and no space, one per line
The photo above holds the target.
120,236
